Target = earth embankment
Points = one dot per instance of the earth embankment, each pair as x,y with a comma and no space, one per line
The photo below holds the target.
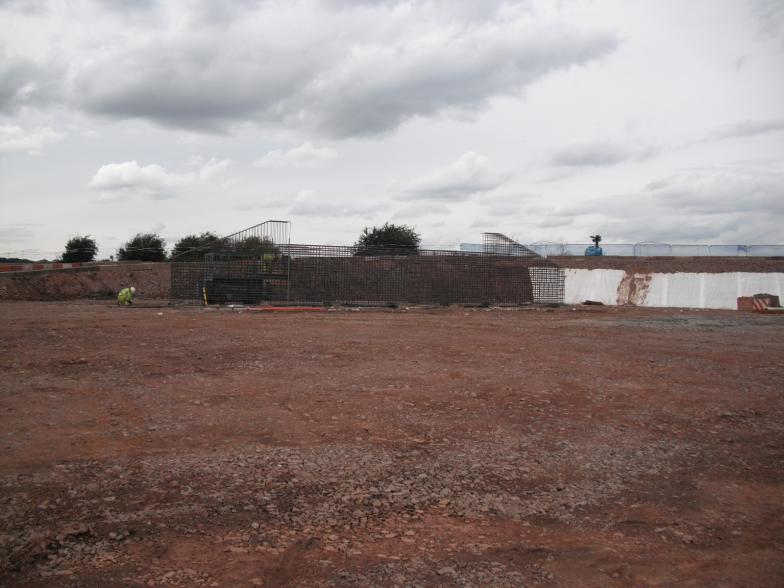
151,281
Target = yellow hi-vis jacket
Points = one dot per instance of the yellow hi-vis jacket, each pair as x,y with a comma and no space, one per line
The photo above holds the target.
266,262
125,296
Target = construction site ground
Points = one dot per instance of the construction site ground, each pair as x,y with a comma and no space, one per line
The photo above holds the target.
586,446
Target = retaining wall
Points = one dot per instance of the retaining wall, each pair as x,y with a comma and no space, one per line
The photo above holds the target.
677,290
681,282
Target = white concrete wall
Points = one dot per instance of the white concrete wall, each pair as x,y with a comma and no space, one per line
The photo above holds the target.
679,290
598,285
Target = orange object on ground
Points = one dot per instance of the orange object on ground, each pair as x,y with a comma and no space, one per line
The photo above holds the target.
758,302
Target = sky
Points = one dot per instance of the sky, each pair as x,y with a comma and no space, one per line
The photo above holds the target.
544,120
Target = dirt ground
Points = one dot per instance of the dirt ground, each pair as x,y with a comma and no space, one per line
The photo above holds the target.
565,447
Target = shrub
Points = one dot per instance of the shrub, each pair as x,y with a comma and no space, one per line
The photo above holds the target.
254,246
388,239
143,247
195,247
80,249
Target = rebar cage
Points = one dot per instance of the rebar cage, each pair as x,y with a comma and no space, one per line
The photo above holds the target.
259,265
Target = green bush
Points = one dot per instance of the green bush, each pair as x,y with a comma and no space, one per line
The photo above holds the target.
388,239
143,247
81,248
195,247
254,246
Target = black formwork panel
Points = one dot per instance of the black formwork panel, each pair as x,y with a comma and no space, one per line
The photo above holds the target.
222,290
245,278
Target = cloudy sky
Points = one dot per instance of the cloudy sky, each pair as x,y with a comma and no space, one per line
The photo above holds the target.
548,121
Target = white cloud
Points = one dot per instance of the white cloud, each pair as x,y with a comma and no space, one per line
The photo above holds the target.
483,223
599,153
471,174
282,64
214,167
721,191
25,82
305,155
770,15
16,139
117,179
713,205
750,128
444,67
16,233
308,203
504,205
420,209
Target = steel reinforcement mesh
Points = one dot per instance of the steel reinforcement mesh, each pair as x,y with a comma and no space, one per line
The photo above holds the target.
325,274
499,244
252,241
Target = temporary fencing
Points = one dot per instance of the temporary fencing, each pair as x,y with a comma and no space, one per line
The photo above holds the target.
646,249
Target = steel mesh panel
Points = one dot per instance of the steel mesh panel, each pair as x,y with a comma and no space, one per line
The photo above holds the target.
506,273
498,244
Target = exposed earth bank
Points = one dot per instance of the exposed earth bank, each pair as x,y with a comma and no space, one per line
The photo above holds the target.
151,280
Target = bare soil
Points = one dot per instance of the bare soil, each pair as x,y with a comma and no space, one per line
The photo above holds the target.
458,447
96,281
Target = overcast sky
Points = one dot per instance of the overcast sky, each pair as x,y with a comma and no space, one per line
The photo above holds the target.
548,121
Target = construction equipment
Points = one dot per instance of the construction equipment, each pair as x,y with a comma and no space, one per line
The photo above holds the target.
594,250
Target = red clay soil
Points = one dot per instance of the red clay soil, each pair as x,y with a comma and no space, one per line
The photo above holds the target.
712,265
151,280
458,447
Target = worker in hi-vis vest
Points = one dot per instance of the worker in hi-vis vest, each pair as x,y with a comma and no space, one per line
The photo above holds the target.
266,262
125,296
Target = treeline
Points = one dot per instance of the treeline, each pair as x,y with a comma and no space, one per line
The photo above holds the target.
152,247
387,239
140,247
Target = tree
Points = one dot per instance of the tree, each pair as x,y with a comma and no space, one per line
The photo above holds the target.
81,248
143,247
388,239
195,247
254,246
